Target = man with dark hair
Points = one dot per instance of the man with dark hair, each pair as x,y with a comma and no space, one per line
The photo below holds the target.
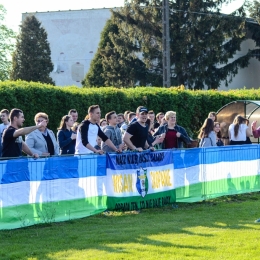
4,114
120,120
136,117
12,141
113,132
159,118
74,114
137,132
88,131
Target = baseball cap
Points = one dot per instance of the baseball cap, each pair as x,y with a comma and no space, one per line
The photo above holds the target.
142,109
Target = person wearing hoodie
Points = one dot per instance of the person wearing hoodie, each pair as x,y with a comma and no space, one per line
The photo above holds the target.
113,132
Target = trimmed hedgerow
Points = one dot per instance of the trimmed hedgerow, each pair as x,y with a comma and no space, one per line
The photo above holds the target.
192,107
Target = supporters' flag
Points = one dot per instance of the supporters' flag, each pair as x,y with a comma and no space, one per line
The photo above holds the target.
140,180
216,171
52,189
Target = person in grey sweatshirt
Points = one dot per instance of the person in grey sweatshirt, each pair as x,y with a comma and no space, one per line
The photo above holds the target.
113,132
207,134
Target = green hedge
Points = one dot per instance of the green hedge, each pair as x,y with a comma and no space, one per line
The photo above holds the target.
192,107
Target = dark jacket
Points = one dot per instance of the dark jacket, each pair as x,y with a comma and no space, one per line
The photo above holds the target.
66,144
183,138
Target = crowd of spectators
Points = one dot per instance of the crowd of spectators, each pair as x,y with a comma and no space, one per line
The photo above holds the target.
129,131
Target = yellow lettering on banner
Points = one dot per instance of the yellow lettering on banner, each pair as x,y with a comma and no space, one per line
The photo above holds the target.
160,179
122,183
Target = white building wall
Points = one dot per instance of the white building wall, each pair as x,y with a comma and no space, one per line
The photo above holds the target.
248,77
74,37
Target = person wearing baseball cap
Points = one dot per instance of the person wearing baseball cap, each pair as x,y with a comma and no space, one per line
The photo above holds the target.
137,132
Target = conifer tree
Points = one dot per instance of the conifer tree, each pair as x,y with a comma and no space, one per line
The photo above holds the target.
202,40
31,59
112,66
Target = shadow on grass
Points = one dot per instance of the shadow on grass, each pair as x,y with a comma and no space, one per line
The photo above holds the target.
109,232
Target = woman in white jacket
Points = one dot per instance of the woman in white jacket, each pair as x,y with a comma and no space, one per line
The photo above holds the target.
207,134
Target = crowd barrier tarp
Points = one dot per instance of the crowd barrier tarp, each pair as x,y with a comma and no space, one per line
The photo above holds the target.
51,189
63,188
140,180
213,172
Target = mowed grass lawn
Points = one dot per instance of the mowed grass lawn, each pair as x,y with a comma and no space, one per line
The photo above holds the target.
219,229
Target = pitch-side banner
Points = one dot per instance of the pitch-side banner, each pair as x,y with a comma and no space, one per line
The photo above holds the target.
140,180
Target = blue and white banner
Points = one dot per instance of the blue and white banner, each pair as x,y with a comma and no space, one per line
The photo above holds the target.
140,180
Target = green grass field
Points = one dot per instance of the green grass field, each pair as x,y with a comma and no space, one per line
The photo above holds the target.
223,228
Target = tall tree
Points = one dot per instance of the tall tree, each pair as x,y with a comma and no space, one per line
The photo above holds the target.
111,66
202,40
31,59
6,46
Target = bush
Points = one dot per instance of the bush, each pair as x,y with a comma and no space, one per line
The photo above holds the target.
192,107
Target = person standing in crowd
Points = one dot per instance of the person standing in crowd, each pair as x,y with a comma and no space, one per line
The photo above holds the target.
98,145
153,140
88,131
74,114
217,130
42,141
124,127
159,118
255,131
120,120
126,116
151,117
103,123
113,133
239,132
137,132
174,135
136,116
12,141
66,137
207,134
4,114
213,116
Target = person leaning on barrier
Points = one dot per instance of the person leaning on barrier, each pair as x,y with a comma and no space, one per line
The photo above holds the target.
42,140
136,134
113,133
88,131
239,132
207,134
13,144
174,135
65,136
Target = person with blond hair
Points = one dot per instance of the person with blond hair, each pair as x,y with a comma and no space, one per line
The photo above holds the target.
174,135
42,140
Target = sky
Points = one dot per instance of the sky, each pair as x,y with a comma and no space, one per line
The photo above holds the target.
15,8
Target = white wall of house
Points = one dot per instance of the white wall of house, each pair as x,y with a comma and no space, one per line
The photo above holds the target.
74,37
248,77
